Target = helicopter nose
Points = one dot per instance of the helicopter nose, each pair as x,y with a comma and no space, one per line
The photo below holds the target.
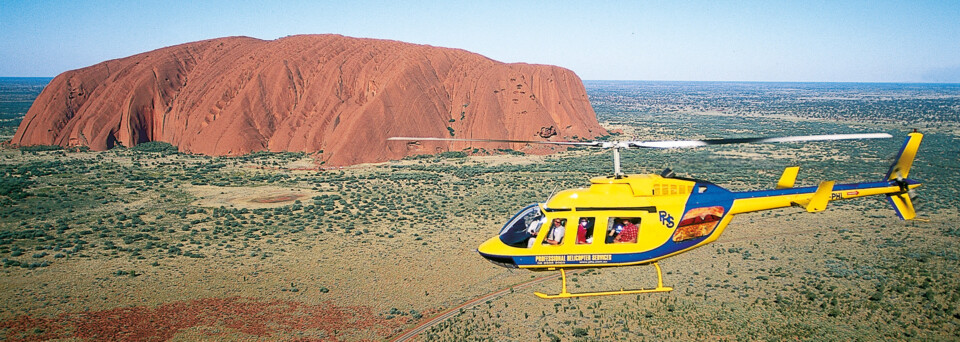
499,260
502,261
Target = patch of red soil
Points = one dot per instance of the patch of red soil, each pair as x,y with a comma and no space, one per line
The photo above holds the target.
234,315
276,199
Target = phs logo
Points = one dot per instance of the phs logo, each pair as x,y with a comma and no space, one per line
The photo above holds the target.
666,219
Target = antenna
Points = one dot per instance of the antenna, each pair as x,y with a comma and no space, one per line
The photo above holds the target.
554,191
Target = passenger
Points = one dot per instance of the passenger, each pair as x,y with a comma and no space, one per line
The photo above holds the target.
614,232
582,232
629,233
555,235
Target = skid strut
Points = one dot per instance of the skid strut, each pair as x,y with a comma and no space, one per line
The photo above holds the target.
565,294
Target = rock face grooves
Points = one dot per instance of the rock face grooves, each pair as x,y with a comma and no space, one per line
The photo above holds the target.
340,95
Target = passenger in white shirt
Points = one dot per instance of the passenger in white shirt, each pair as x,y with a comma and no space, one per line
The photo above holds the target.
555,235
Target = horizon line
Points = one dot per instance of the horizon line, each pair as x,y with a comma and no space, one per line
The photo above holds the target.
692,81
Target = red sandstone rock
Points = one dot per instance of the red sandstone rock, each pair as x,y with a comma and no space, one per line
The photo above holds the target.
341,95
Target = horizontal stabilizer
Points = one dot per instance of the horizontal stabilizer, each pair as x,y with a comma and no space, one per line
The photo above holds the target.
818,202
903,206
788,178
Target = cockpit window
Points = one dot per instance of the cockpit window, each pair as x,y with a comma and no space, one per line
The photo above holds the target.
521,230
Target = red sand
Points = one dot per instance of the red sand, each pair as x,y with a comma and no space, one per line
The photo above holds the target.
228,315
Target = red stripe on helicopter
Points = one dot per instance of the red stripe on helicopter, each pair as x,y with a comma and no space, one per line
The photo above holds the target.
852,193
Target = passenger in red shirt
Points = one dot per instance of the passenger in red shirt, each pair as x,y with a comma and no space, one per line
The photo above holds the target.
629,233
582,232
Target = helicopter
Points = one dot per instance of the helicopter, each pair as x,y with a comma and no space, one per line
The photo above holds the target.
640,219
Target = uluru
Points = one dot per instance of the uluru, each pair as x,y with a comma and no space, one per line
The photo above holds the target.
337,95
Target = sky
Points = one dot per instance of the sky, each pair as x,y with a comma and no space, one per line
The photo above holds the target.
788,41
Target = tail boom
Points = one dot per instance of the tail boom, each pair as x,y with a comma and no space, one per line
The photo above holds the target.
895,185
751,201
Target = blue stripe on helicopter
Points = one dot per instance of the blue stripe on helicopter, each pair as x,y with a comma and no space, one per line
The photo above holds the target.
668,247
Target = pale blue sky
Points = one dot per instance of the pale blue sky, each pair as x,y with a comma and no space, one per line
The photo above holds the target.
850,41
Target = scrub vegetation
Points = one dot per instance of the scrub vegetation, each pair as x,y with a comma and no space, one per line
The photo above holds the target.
365,252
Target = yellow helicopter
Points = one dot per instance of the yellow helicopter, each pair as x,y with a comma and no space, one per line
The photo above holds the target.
625,220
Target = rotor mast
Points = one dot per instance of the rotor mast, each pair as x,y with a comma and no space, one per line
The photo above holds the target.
615,146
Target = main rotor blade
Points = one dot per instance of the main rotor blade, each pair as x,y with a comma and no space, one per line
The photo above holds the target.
707,142
569,143
668,143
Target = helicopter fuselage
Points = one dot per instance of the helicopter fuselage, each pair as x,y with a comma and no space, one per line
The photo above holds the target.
639,219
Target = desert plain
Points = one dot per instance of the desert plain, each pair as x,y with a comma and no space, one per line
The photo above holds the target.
146,243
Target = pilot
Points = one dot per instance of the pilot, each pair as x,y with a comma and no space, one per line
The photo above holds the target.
534,228
555,235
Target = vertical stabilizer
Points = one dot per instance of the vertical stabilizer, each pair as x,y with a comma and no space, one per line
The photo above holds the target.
903,206
898,173
901,167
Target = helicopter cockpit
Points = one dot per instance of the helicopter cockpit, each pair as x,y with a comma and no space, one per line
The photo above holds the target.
523,227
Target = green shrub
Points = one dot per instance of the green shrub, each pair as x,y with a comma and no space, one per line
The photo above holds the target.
14,187
157,147
40,148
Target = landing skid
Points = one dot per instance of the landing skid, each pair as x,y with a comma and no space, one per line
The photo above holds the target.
564,294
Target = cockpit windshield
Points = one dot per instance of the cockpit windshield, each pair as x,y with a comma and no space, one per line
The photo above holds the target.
523,227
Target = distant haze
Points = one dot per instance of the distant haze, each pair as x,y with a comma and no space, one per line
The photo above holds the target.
819,41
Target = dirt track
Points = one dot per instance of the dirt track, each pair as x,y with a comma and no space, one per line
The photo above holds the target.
443,316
